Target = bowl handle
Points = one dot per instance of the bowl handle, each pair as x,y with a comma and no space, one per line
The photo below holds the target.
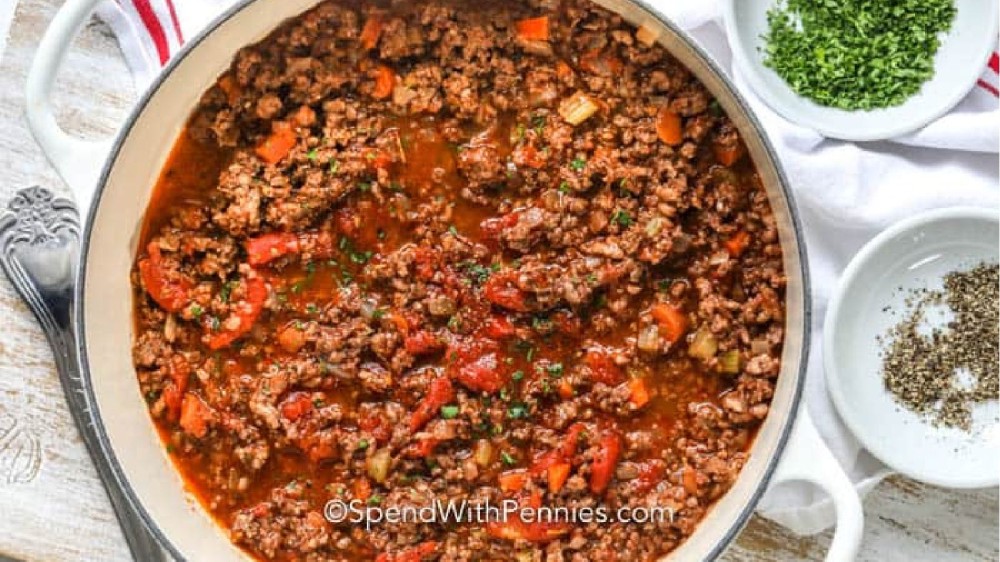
807,459
77,161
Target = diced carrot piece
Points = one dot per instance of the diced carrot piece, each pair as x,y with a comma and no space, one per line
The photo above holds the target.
371,32
563,69
639,392
296,405
565,389
475,363
385,81
603,467
537,531
558,474
729,154
513,480
669,127
291,339
533,29
195,416
276,146
440,393
671,319
737,244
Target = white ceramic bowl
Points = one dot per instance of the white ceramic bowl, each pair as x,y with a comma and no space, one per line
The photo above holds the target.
913,254
959,63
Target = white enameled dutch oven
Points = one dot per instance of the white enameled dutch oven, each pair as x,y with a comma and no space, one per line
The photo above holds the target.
115,180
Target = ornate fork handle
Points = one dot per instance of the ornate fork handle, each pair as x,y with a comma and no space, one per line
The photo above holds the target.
39,246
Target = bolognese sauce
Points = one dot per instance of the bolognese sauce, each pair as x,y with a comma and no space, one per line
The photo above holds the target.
429,251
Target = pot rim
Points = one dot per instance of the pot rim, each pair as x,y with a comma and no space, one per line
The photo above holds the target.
193,43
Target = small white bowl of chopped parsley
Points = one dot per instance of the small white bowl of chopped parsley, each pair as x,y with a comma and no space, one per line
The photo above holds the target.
862,70
910,347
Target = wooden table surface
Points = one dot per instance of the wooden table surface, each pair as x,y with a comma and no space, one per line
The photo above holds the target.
56,511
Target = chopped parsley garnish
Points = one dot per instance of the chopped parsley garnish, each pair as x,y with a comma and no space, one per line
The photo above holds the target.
518,375
362,444
564,187
196,311
334,166
364,186
449,412
517,411
555,369
507,458
578,164
621,218
312,155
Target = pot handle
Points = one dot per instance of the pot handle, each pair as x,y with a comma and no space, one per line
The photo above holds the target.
77,161
807,459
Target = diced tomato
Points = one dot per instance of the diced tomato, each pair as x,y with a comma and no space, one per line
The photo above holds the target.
475,363
421,449
567,323
603,466
195,416
563,70
565,389
278,144
603,367
527,155
737,244
562,454
179,371
671,319
385,81
513,480
500,289
422,343
412,554
533,29
376,427
492,228
557,476
296,405
639,393
266,247
426,261
170,290
650,474
440,393
371,31
246,313
498,328
669,127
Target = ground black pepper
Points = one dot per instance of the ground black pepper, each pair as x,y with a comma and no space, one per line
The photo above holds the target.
940,373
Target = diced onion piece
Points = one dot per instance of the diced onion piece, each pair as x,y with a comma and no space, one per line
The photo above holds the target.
649,338
655,225
646,35
704,345
577,108
729,362
378,465
483,452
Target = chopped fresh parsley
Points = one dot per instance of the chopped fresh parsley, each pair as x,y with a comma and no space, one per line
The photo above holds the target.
578,164
517,411
621,218
449,412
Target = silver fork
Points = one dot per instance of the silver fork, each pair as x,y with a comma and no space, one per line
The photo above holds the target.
39,247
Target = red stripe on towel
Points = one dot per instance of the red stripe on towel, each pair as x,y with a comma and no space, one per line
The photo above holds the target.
152,24
175,21
988,87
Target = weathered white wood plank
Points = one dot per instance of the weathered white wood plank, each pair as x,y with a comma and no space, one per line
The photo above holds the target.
61,513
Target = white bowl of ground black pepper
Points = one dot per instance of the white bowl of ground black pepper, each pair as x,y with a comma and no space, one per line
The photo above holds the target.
859,70
911,347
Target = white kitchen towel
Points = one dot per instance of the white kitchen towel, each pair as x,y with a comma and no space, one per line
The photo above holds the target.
846,192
